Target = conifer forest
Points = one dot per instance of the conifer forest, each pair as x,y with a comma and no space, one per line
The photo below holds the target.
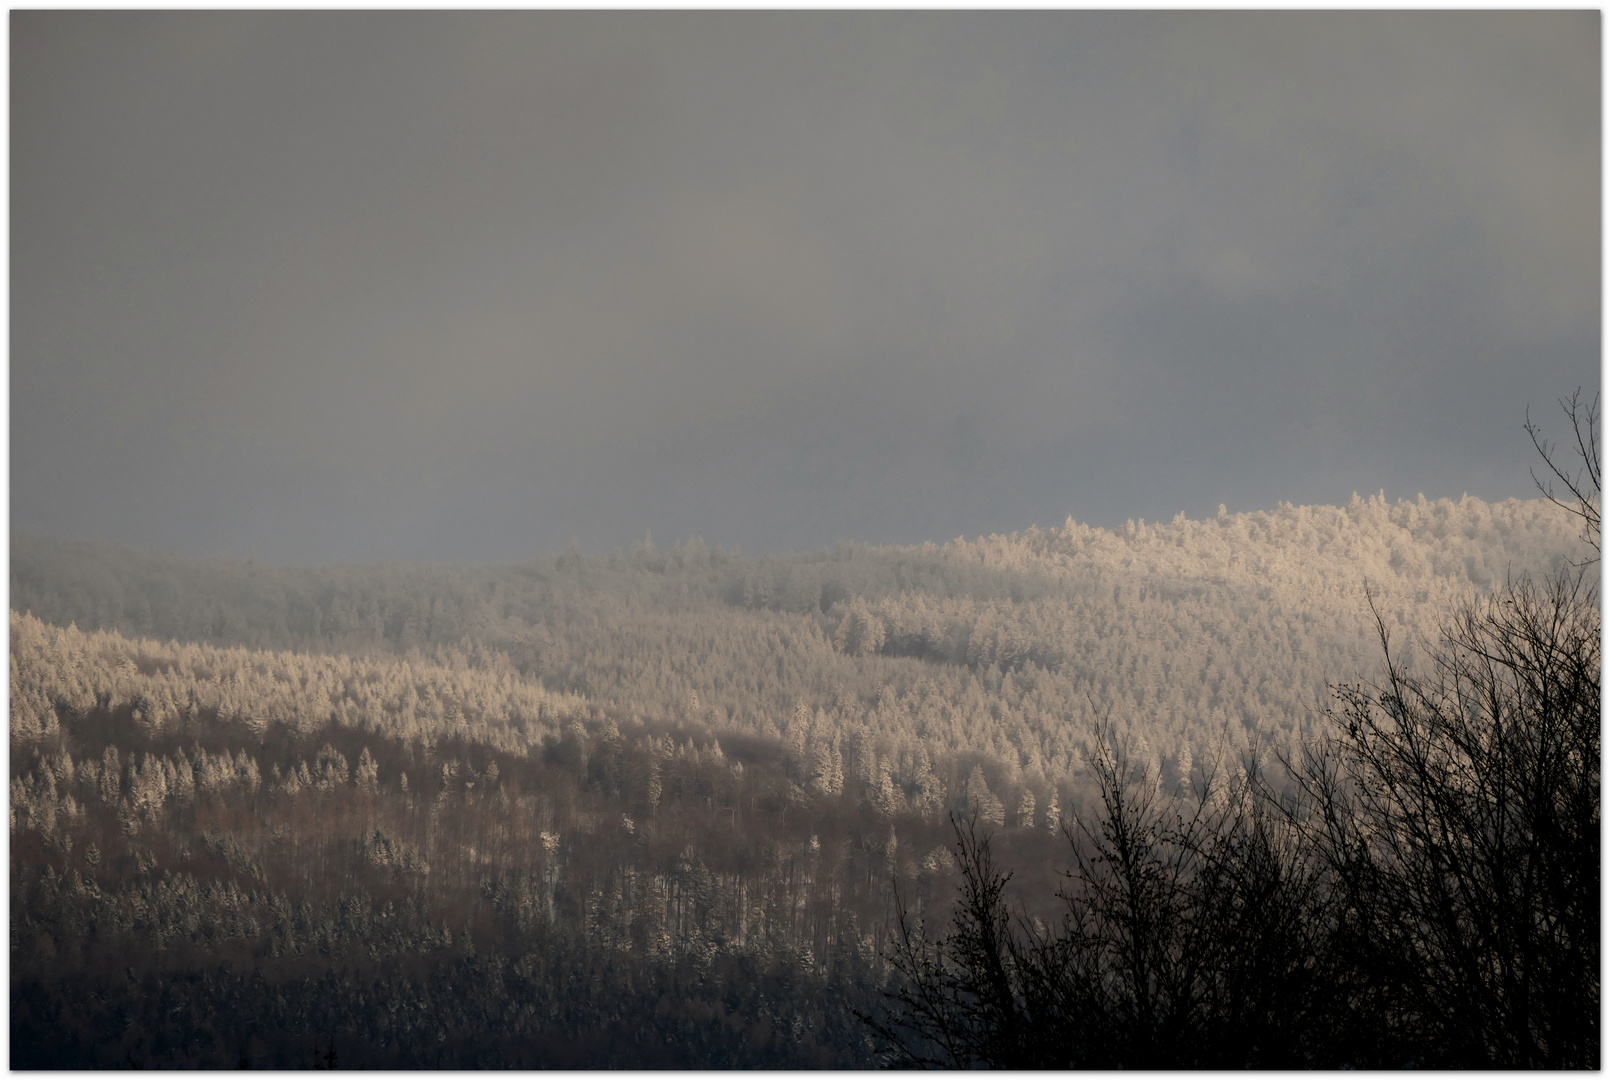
689,808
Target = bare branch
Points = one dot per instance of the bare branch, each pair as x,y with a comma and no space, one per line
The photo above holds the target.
1583,482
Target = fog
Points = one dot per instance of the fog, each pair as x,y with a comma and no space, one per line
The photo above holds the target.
316,286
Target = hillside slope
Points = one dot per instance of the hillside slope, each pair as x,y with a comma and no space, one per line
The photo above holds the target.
1188,634
636,809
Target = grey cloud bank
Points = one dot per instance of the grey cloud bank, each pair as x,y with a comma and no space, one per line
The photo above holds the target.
343,286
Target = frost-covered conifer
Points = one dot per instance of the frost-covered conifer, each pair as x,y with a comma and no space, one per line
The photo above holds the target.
367,774
1025,810
885,797
982,801
653,786
111,776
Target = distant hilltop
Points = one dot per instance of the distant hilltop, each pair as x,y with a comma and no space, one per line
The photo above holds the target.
1001,650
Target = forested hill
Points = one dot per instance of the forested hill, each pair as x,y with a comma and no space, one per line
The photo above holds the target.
1189,635
632,810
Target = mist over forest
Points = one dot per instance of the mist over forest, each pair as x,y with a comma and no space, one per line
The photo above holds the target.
1300,786
646,808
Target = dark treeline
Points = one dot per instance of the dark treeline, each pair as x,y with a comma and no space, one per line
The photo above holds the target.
202,897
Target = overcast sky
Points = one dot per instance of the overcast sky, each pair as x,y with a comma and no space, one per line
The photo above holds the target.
349,286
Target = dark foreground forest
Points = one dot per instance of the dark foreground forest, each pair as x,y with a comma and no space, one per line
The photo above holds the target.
1154,797
1422,893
